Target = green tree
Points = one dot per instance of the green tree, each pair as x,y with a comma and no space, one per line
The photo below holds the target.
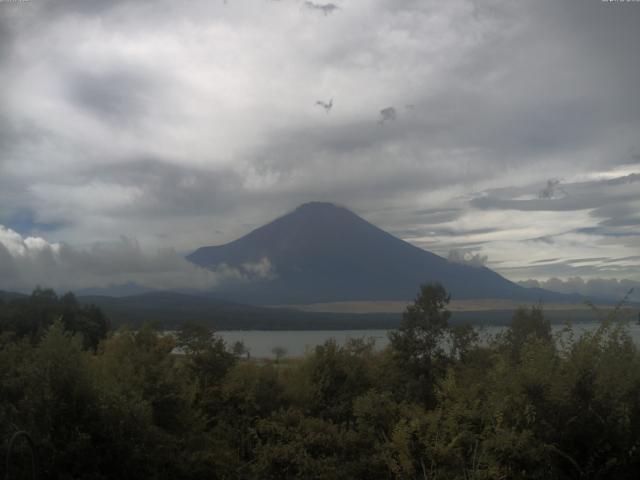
417,346
338,375
527,325
59,405
30,317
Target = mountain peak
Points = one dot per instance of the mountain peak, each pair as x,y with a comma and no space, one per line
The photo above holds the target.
321,208
320,219
317,206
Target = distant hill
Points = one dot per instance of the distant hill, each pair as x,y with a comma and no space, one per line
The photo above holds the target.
122,290
321,252
169,310
10,295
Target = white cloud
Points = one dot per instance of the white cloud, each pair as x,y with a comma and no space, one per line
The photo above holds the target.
592,287
467,257
28,262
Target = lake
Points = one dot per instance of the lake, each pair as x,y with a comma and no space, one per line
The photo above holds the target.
296,342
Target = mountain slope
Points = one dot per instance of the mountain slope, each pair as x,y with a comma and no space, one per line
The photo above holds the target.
322,253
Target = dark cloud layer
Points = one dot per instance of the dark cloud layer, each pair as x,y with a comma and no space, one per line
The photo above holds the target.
115,96
183,126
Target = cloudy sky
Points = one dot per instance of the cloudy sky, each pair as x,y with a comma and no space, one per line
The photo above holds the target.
141,130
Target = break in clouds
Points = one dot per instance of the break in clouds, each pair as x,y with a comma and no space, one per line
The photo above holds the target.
506,130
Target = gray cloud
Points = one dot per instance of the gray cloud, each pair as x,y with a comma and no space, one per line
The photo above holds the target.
552,189
115,96
325,8
387,114
170,124
575,196
166,188
439,215
618,215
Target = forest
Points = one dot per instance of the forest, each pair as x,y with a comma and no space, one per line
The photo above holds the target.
437,403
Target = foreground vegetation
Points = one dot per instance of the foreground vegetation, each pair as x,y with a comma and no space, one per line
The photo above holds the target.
435,404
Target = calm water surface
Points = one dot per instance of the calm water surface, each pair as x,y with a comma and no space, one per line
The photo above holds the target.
296,342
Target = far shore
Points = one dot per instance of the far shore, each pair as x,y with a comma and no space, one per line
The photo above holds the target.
370,306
